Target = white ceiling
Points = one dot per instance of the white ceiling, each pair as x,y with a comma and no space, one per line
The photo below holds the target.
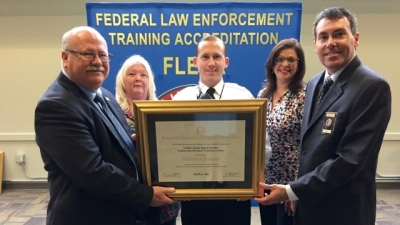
77,7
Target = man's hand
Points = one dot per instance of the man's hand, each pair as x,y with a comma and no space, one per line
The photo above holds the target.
278,194
160,197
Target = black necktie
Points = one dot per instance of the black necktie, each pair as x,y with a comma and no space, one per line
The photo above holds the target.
209,94
322,92
99,100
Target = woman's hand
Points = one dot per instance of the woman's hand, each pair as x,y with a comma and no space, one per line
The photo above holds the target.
289,207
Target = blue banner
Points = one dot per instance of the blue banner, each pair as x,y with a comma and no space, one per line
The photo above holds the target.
166,34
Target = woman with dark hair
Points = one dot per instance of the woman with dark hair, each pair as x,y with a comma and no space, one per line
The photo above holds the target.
285,94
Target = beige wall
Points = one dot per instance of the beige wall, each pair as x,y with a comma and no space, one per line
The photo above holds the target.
30,61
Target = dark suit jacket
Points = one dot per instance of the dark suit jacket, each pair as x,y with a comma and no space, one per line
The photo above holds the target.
336,180
91,173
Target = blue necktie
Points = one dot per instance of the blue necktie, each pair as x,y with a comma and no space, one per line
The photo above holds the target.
322,92
100,101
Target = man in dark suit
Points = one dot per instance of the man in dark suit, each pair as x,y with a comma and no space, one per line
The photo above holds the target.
341,134
87,151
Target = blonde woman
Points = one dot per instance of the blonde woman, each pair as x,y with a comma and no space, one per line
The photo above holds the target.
135,81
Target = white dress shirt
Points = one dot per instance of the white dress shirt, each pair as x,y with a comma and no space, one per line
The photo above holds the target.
222,91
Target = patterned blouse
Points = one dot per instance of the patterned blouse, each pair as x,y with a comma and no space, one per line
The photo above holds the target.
130,119
283,127
167,212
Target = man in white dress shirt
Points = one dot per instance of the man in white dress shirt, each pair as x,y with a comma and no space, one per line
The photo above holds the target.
211,61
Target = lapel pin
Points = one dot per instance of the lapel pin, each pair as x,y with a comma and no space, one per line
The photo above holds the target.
107,99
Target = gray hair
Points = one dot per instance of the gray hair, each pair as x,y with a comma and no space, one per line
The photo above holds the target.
67,35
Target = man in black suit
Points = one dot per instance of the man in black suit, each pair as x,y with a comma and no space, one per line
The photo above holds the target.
86,147
341,134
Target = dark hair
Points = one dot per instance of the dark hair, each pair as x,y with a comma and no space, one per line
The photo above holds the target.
296,84
336,13
210,38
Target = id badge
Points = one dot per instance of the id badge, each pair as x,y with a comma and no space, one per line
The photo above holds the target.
329,123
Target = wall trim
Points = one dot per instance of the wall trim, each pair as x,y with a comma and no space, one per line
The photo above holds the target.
17,136
391,137
394,136
25,185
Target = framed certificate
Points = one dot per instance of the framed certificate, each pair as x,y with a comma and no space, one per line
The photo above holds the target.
206,149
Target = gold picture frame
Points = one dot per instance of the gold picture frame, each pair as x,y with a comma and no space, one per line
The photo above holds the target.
206,149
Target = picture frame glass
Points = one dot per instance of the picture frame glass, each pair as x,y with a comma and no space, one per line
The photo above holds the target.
207,159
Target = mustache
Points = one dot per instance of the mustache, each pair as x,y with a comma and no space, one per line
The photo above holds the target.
95,68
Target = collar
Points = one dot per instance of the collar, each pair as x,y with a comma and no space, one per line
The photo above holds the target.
335,75
90,94
218,88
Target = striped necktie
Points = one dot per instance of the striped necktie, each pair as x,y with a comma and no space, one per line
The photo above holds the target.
322,92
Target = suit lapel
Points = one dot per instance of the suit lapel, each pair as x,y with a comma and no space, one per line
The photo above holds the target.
112,128
113,106
333,94
71,86
308,104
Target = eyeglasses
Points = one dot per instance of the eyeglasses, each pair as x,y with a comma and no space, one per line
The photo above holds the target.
90,56
290,60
